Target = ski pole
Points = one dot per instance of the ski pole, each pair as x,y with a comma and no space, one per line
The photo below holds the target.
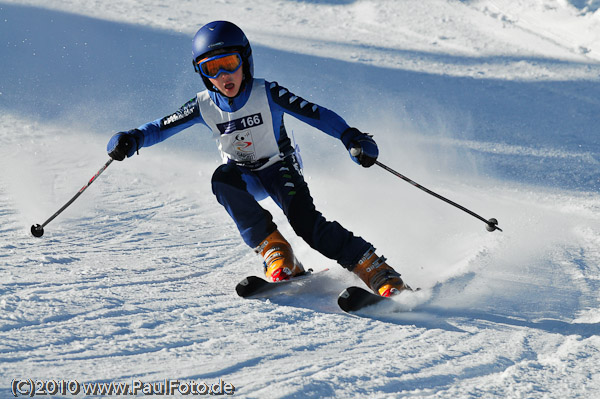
491,224
38,230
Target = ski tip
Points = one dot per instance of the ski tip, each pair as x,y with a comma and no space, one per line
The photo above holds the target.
249,286
355,298
253,285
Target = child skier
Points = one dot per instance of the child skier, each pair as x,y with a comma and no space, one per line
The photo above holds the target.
259,160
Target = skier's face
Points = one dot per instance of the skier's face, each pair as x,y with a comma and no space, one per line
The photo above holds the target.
229,84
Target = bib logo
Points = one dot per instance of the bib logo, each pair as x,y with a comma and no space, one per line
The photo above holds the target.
243,142
243,146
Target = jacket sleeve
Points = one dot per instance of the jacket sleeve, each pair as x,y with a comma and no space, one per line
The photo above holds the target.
284,101
163,128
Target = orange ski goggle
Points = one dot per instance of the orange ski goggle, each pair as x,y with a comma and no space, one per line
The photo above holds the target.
212,67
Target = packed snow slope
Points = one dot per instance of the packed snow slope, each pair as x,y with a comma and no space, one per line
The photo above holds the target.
493,104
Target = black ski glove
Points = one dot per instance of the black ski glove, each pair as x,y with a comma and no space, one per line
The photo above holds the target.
363,149
125,144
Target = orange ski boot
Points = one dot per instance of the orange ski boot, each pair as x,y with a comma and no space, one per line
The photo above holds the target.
279,260
378,275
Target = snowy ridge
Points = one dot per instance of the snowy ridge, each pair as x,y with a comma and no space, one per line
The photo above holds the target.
497,37
493,104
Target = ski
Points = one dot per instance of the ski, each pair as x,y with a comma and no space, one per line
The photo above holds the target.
356,298
252,286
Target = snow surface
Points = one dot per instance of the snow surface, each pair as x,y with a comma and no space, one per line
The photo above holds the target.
493,104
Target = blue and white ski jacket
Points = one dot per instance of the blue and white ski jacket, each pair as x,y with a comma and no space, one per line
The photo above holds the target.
249,128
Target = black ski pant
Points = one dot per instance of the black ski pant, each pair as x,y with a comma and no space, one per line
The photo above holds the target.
239,189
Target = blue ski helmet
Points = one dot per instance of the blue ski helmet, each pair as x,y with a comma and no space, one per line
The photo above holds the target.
219,37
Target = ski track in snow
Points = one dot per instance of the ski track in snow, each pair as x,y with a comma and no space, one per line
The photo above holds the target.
135,280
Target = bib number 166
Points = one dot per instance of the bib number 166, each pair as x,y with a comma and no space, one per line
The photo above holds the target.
250,121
